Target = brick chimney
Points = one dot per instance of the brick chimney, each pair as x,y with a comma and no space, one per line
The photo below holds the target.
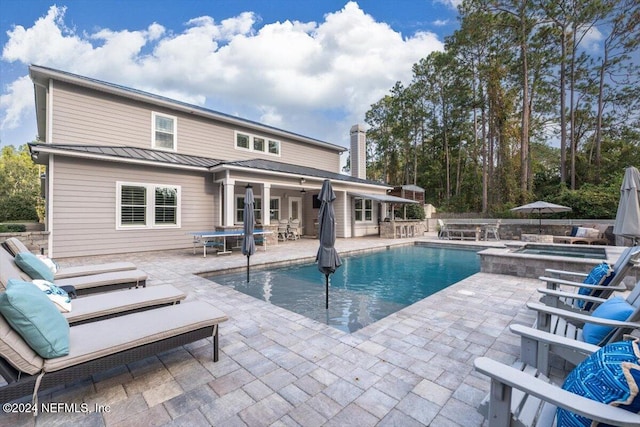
358,152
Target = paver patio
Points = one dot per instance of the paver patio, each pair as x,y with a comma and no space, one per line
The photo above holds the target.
279,368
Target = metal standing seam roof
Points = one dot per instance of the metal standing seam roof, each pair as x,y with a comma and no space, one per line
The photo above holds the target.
165,157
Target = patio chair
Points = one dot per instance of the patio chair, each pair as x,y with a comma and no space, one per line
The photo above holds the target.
102,345
82,285
294,229
614,318
14,246
105,305
492,230
283,230
444,230
555,296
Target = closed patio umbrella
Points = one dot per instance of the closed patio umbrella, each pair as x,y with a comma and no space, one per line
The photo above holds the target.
328,259
541,207
628,216
248,242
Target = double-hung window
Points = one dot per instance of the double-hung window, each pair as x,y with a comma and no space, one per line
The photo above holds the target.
257,208
164,132
147,206
274,209
363,210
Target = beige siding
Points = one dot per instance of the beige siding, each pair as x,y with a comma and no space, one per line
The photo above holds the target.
83,116
84,208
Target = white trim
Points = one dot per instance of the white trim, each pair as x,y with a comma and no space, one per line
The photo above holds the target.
149,207
49,117
49,208
155,114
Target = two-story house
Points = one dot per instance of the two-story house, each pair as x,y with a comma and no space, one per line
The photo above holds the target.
129,171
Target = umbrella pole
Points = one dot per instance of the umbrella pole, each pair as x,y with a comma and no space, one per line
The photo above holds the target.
248,256
326,278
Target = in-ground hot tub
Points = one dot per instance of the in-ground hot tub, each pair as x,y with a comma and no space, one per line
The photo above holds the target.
575,251
531,259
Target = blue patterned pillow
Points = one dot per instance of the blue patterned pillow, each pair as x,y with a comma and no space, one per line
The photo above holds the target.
610,375
601,274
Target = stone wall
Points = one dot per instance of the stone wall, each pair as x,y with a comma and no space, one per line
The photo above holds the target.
36,241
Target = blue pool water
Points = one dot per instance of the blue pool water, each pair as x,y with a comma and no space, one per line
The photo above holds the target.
365,289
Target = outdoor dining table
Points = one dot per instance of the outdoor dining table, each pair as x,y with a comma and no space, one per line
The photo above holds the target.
208,238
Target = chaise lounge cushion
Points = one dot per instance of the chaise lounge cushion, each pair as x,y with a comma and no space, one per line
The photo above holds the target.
16,351
14,246
610,375
99,339
616,308
32,314
33,266
103,279
109,304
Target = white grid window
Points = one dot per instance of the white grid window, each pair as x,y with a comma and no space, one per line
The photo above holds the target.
164,131
147,206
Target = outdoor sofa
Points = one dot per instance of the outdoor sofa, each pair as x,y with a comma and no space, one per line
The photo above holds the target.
102,345
14,246
589,234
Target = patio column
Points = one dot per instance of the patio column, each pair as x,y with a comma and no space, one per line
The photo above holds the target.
266,204
229,200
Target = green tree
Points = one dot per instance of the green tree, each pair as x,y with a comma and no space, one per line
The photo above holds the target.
19,185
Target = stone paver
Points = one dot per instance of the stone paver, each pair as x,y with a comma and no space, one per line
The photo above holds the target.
412,368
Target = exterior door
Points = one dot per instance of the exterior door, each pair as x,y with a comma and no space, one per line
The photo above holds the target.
295,208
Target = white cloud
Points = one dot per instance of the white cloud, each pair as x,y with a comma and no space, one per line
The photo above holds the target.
17,100
312,78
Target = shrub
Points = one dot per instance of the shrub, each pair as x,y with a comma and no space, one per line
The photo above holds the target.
12,228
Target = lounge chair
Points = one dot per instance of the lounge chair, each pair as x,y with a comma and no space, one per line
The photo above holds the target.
294,229
555,296
571,325
14,246
521,396
102,345
84,285
101,306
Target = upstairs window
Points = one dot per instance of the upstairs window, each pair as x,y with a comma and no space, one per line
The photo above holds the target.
164,132
257,144
242,141
274,147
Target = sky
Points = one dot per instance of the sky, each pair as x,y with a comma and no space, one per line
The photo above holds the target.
312,67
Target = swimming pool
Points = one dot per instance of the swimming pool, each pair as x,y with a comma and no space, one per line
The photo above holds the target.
365,289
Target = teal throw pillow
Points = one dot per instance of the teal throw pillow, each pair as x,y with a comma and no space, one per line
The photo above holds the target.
32,315
615,308
33,266
610,375
601,274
